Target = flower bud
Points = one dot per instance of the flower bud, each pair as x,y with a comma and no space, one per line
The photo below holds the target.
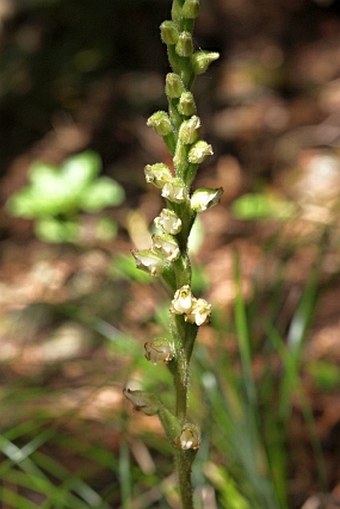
204,198
184,46
169,32
199,152
186,105
174,86
141,401
188,131
158,350
202,59
157,174
168,221
160,122
166,245
190,9
182,301
190,437
149,261
174,190
199,313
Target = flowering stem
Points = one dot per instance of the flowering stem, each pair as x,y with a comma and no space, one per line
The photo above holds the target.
168,257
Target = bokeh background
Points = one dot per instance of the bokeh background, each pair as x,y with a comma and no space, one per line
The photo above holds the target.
78,75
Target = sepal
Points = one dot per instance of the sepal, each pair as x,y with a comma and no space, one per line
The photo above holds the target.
149,261
142,401
158,350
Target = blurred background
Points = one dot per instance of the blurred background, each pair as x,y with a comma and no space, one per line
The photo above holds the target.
78,80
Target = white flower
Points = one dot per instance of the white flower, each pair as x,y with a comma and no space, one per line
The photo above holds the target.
199,152
174,190
199,312
148,260
157,174
166,245
182,301
204,198
168,221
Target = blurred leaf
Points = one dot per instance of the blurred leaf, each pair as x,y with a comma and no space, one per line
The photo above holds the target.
125,266
230,495
106,229
80,170
52,230
254,206
56,196
325,375
103,193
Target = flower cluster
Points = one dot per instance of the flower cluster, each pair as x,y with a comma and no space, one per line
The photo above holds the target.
164,249
195,311
168,255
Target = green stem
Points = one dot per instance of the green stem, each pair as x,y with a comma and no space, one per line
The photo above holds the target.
181,380
183,462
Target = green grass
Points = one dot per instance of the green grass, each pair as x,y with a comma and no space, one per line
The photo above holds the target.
54,463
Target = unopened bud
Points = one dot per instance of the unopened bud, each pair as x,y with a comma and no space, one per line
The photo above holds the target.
169,32
186,105
188,131
202,59
199,152
158,350
204,198
160,122
190,9
184,46
174,86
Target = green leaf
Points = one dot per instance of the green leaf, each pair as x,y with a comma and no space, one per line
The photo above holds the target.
103,193
325,375
80,170
254,206
52,230
106,229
